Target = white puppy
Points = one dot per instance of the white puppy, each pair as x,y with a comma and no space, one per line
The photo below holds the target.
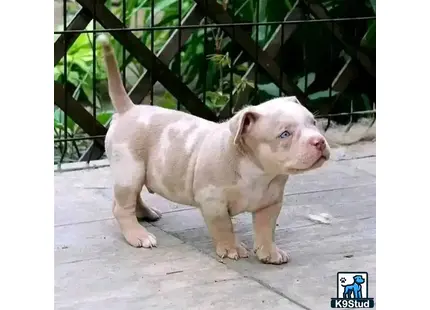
223,169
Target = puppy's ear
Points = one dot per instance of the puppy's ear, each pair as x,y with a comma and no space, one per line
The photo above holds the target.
242,123
294,99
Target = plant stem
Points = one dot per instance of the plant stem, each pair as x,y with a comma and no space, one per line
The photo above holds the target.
220,77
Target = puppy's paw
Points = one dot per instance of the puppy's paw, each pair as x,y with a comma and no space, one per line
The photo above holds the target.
232,252
140,238
271,255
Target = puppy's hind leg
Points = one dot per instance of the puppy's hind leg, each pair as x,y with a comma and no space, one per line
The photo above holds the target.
146,213
129,177
125,213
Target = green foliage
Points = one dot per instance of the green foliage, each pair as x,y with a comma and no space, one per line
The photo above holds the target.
80,68
69,129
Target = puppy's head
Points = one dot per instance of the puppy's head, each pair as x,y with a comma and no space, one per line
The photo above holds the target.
281,136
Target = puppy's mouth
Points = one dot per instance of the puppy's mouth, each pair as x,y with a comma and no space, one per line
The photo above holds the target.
322,158
318,163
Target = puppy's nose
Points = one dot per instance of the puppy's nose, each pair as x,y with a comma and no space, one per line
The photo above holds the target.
319,143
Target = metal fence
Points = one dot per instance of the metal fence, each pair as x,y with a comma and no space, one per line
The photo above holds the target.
210,58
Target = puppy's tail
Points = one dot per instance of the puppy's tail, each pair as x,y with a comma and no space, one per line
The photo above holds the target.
117,93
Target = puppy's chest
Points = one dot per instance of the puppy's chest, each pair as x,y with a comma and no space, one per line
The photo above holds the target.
249,196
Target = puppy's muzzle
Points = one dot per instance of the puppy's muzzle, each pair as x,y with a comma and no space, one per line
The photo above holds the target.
321,145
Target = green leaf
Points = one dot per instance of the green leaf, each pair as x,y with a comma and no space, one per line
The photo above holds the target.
288,4
74,78
369,39
88,91
134,7
104,117
241,7
58,115
366,102
217,99
373,3
83,54
168,101
262,18
58,125
59,120
81,42
134,70
58,72
322,94
271,89
84,65
250,83
302,81
242,67
163,5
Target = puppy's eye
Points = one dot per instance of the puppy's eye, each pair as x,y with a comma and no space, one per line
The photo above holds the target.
285,134
314,122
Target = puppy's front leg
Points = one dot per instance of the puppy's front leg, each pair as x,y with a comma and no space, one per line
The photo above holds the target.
221,230
264,222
